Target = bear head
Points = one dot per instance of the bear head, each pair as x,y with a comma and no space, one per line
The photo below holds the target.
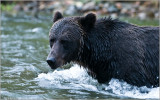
66,38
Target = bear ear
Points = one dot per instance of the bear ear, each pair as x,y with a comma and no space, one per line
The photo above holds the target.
57,16
88,21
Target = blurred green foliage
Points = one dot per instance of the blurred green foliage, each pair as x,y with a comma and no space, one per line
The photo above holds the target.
7,7
146,22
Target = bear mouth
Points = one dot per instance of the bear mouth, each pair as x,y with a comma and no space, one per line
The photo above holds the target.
54,67
66,65
57,65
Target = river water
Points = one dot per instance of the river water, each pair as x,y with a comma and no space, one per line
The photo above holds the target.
26,75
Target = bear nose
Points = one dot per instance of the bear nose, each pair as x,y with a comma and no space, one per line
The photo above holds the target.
51,61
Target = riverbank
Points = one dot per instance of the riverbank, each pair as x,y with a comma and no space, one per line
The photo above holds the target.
134,9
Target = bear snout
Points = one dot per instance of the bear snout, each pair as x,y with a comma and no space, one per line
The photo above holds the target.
51,62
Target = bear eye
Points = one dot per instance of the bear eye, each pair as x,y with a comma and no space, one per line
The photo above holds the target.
52,40
64,41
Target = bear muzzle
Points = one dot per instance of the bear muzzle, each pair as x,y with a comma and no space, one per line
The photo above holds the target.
52,62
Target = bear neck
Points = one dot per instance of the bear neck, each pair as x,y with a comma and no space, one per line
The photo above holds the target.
91,58
97,53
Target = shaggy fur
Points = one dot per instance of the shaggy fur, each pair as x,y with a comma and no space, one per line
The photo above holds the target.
110,49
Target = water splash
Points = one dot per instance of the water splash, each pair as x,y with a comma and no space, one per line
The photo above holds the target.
77,78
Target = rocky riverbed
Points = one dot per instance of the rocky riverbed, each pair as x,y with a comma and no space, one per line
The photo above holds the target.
139,9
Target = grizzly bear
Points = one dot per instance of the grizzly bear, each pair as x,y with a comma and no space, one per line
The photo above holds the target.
107,48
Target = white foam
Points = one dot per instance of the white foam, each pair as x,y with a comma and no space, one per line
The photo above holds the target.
77,78
73,78
124,89
36,30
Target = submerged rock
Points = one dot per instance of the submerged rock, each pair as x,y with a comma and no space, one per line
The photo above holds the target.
142,15
71,10
112,9
79,5
89,6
